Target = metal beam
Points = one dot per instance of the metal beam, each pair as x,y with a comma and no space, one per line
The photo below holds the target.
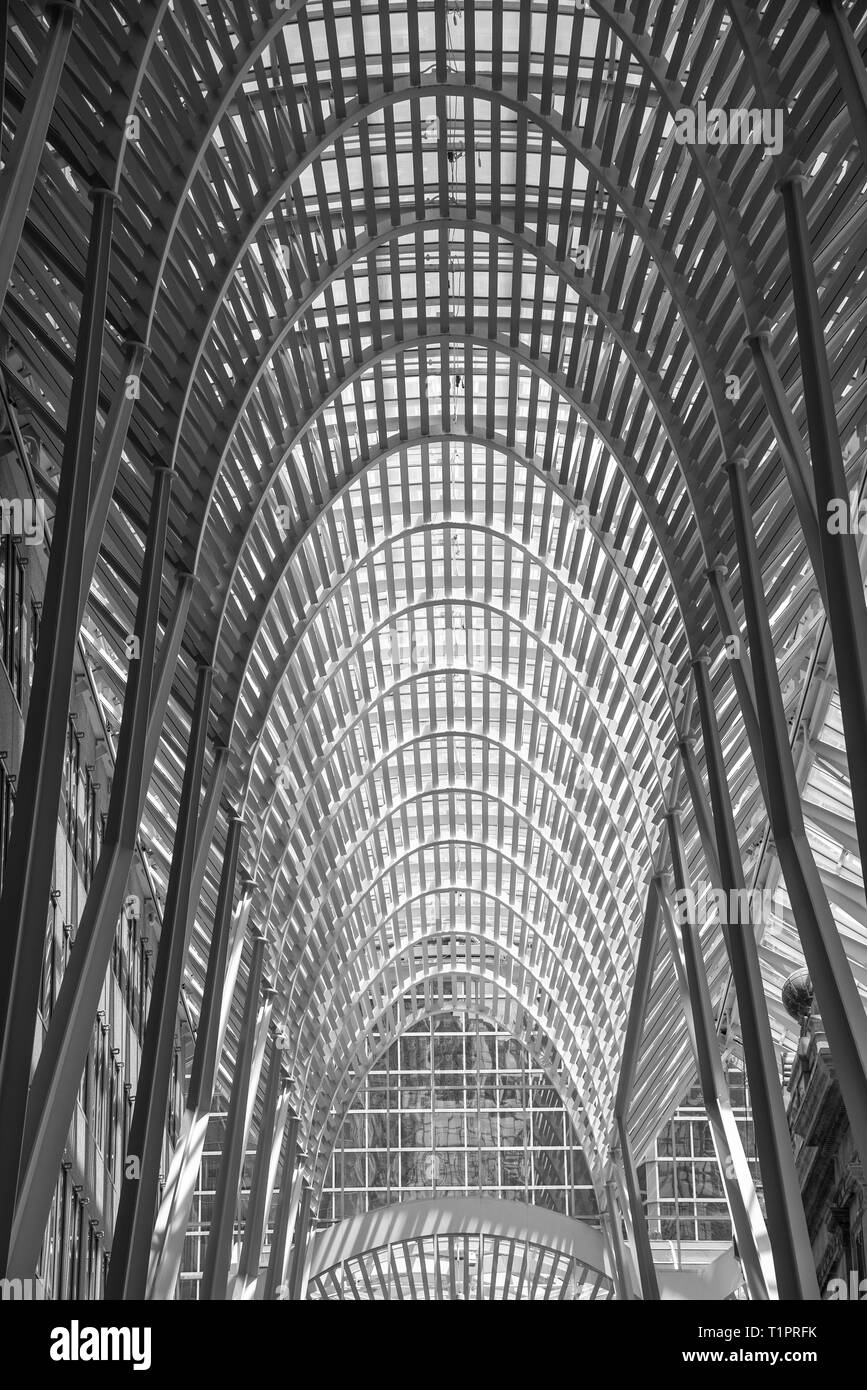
208,816
792,450
634,1031
263,1026
34,826
170,649
850,67
106,465
130,1252
171,1224
218,1255
717,578
4,49
790,1241
837,997
643,1250
618,1245
299,1245
752,1237
276,1274
701,810
260,1196
19,176
63,1054
846,609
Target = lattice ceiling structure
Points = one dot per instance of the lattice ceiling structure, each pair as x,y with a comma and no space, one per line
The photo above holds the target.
442,323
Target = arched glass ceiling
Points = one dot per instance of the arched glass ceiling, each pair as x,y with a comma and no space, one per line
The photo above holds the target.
443,326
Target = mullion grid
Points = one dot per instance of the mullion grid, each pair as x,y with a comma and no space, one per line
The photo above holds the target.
447,1142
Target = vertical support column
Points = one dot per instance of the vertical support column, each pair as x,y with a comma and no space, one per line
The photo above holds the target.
19,176
618,1247
299,1244
790,1241
64,1050
257,1207
218,1256
171,1225
208,816
643,1250
634,1029
127,1272
749,1225
847,612
107,463
837,996
167,661
791,447
279,1241
31,848
4,43
701,811
717,578
849,65
273,1175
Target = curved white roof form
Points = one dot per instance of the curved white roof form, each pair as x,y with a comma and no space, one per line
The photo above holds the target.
447,350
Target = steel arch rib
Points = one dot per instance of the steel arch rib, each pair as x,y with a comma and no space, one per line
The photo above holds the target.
530,977
596,1141
591,980
569,395
426,847
726,217
543,253
362,638
350,1082
372,887
451,732
492,678
571,875
588,695
331,590
495,446
711,373
442,1216
361,946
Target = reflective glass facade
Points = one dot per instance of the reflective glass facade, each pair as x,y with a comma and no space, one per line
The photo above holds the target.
685,1197
456,1107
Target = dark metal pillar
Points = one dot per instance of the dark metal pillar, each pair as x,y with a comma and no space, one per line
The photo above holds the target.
280,1237
634,1031
618,1245
787,1226
736,1176
263,1026
64,1050
127,1271
171,1225
792,450
850,67
847,612
260,1196
4,41
31,849
717,578
837,996
106,466
167,661
19,176
701,810
208,816
218,1256
299,1244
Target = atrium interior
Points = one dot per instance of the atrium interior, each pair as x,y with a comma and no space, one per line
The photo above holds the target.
433,681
